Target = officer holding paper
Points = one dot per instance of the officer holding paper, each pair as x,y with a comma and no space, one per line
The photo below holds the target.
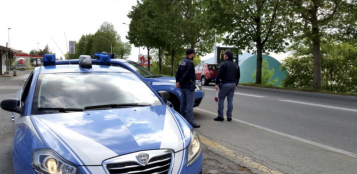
226,82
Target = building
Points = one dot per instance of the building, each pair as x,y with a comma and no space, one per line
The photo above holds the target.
4,59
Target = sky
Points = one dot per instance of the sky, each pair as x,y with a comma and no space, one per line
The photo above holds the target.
36,23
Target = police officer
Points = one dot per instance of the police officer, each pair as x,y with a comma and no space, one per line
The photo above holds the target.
227,81
185,79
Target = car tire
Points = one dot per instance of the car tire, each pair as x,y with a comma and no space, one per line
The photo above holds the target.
173,103
22,69
204,81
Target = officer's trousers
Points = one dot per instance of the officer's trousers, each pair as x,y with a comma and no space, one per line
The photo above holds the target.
188,101
226,90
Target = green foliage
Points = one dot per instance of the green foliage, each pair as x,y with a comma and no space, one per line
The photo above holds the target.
253,25
90,43
267,74
171,26
122,50
300,72
166,64
100,44
339,67
43,51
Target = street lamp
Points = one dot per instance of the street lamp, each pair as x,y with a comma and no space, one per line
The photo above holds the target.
8,41
111,44
128,25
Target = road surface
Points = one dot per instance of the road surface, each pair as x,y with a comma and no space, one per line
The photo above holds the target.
286,131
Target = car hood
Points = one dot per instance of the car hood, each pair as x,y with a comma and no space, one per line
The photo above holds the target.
90,137
164,80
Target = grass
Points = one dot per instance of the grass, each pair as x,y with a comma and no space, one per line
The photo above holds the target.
298,89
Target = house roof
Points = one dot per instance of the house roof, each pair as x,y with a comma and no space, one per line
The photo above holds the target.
2,48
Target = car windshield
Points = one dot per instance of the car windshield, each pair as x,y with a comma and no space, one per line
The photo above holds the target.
76,91
213,67
141,70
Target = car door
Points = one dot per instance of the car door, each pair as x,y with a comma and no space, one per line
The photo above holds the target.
198,71
22,95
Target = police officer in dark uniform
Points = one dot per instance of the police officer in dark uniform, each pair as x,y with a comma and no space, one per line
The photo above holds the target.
185,79
227,81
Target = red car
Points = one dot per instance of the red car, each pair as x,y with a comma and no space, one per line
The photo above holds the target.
206,73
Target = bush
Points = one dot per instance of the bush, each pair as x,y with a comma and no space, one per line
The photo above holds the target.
338,68
266,74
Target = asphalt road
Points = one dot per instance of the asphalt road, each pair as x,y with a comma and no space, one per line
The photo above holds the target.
288,131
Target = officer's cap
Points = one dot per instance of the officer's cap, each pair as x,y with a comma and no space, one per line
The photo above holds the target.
190,51
229,54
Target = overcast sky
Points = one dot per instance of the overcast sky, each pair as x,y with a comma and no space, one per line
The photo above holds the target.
38,21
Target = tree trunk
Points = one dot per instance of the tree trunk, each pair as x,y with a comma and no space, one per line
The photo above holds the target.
148,58
172,62
160,61
316,52
258,79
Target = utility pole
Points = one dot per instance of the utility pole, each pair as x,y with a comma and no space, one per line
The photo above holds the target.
65,38
8,41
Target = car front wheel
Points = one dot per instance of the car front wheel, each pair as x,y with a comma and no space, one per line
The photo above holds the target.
173,103
204,81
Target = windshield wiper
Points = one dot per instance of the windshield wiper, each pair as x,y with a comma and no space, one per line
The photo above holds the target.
124,105
61,109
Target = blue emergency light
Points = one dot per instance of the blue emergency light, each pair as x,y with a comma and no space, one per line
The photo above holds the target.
97,55
104,60
49,59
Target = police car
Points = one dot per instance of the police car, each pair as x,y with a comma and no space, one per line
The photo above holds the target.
158,83
93,117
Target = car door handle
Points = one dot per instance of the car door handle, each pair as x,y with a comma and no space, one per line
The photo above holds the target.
12,118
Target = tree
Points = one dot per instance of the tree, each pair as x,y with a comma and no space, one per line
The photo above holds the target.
100,39
46,50
253,25
122,50
312,19
170,26
84,45
338,64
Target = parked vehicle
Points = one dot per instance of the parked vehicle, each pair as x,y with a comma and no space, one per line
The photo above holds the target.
206,73
21,67
95,117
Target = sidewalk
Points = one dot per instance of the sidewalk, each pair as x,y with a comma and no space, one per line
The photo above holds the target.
214,163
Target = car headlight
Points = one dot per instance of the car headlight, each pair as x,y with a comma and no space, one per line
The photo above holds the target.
199,87
46,161
194,148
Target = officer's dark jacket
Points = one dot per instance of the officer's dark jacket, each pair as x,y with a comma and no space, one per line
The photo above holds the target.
228,72
185,74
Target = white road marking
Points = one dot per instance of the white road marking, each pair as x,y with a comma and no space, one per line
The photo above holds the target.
319,105
209,89
250,95
238,93
333,149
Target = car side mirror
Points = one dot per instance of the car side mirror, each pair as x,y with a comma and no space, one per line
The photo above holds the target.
164,95
11,105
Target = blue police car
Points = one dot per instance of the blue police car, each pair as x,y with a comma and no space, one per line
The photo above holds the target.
158,83
162,83
93,117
